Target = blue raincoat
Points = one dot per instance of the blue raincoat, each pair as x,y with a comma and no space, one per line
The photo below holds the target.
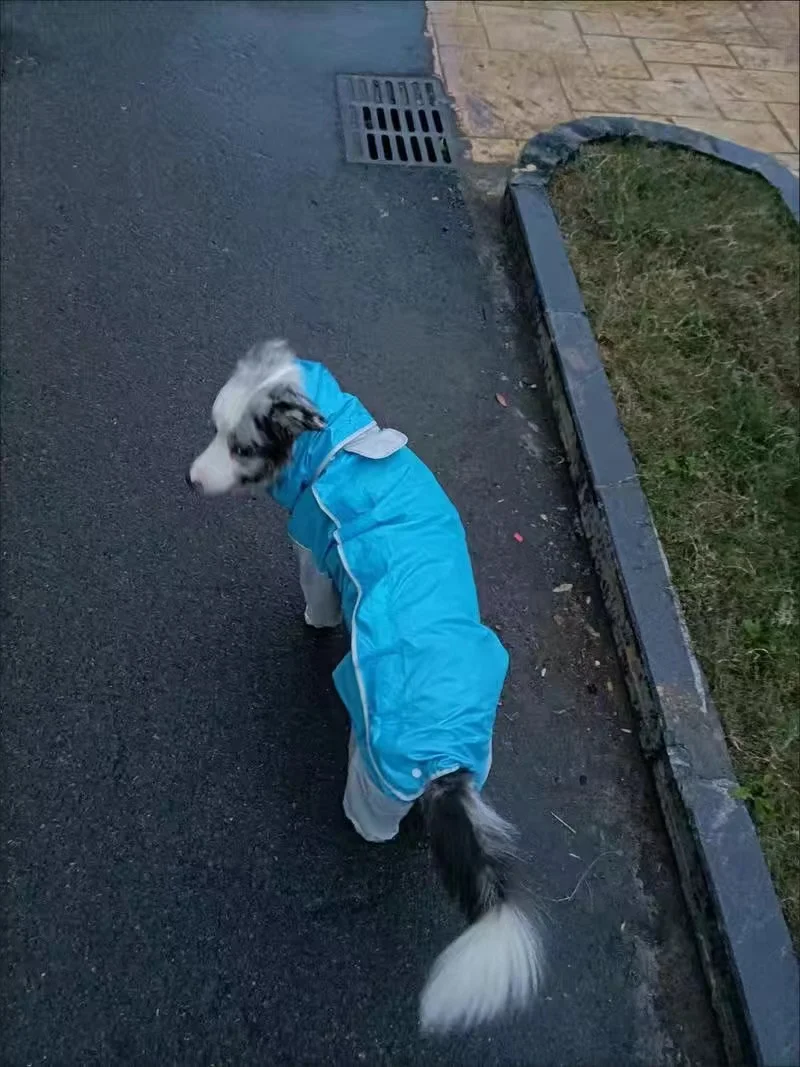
423,676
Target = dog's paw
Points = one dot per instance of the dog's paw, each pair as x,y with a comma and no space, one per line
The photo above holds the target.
322,623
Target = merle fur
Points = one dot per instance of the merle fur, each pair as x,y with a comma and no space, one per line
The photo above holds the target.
277,430
475,872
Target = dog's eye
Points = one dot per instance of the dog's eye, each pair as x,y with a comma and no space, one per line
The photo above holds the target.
243,451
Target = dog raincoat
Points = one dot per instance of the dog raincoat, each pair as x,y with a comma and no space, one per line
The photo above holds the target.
423,676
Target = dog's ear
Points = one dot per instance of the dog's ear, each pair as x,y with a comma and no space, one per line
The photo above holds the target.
291,413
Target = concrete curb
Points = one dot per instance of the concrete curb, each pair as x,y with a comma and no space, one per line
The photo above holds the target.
743,940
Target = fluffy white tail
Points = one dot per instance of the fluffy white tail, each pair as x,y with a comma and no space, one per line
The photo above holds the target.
493,967
496,965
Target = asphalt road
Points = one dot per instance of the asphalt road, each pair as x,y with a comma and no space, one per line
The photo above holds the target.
179,883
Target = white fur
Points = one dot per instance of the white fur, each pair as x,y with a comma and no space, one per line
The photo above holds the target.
215,471
494,832
265,366
495,965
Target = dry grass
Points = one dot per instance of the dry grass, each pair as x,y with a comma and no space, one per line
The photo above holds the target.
689,270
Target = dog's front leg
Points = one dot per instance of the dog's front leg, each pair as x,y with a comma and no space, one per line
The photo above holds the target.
323,608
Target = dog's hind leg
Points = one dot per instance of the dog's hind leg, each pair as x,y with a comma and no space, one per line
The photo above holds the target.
376,817
323,607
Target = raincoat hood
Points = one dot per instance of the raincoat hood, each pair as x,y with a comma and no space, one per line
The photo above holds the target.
345,417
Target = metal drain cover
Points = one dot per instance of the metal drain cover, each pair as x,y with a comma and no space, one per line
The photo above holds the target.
396,121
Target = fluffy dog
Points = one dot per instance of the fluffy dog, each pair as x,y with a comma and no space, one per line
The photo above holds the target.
380,544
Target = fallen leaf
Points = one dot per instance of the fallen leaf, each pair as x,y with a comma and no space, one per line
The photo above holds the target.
501,400
565,587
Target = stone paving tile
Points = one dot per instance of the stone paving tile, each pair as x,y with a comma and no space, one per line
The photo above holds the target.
568,5
714,21
565,5
745,110
790,160
615,57
461,34
711,55
681,73
527,30
766,58
516,67
788,115
453,10
762,136
628,94
496,149
603,22
503,94
773,20
770,86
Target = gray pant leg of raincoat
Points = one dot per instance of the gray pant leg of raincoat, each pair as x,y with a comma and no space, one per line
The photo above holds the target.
375,816
323,607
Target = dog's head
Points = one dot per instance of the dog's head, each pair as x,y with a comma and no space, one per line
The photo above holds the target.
257,416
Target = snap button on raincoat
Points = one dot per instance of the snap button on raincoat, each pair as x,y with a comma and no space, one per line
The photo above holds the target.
423,676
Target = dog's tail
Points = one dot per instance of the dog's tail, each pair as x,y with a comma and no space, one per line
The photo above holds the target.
496,964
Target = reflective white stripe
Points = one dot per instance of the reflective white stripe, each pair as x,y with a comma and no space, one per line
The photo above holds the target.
362,690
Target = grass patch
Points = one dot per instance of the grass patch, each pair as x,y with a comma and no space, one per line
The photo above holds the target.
689,270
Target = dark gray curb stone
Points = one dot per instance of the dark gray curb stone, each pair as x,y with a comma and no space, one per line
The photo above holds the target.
742,936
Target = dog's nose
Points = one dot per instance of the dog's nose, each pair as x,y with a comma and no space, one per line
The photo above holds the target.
189,482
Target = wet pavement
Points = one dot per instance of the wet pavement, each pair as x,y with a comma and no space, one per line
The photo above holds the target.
179,882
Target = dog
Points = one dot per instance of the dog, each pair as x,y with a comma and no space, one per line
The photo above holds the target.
380,546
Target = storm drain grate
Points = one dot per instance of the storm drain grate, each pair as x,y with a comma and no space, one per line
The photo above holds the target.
397,121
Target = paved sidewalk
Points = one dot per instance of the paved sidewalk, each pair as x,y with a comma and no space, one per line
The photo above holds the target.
516,67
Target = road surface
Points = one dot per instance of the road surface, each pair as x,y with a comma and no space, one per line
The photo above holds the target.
179,882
